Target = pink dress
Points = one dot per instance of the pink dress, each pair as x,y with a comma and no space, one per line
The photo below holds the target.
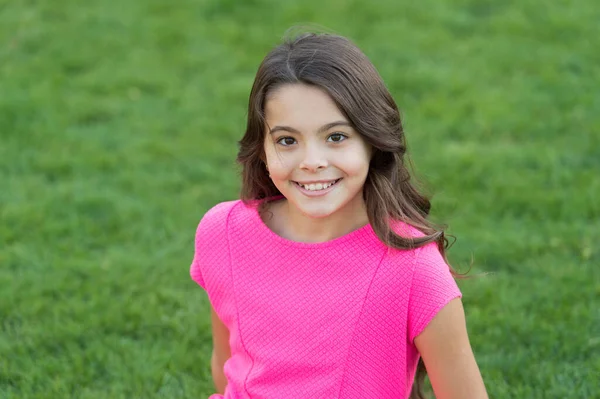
335,319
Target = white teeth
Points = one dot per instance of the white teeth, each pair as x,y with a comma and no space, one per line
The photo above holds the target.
317,187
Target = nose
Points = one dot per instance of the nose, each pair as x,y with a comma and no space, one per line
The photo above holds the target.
314,159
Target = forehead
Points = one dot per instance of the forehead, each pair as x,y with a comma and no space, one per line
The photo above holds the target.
301,106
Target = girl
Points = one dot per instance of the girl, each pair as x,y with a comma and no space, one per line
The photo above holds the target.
326,279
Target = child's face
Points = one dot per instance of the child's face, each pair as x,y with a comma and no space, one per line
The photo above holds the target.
303,145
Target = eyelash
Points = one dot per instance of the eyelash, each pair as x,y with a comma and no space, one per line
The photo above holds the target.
288,137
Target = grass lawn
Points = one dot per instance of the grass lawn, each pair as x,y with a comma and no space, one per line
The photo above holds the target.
118,129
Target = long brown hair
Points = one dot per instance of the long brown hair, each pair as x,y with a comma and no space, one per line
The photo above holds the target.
334,64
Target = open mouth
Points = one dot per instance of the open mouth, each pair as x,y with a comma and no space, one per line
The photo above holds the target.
317,187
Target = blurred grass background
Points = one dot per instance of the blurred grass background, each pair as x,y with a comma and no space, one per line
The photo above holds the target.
118,129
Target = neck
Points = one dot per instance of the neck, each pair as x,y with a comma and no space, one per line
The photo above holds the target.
307,229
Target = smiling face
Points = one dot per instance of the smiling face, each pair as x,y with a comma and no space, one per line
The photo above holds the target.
309,141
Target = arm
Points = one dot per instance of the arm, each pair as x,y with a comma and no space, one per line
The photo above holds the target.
218,376
221,352
446,351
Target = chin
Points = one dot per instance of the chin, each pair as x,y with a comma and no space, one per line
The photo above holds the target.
317,213
318,210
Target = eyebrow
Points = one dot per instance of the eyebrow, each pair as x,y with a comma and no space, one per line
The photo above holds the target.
322,129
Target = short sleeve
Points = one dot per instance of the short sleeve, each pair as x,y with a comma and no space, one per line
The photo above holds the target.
433,286
210,244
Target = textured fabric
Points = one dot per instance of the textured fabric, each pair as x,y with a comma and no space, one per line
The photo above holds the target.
317,320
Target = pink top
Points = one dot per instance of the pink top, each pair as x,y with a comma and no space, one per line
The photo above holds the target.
335,319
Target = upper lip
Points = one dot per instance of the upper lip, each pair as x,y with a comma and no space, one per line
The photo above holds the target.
316,181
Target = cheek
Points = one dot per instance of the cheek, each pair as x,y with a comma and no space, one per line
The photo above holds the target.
356,163
279,173
279,166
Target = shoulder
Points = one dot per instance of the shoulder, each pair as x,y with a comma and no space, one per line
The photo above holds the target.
211,241
408,231
220,210
219,213
424,260
215,220
404,229
228,216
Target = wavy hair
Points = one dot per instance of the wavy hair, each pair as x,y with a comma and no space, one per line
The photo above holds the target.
334,64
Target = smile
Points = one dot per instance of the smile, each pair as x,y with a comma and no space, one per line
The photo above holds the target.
316,189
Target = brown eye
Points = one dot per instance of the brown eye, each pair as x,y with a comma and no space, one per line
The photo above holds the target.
337,137
286,141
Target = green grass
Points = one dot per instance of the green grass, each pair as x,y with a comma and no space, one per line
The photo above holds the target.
118,129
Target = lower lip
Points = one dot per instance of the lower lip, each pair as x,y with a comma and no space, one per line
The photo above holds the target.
316,193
